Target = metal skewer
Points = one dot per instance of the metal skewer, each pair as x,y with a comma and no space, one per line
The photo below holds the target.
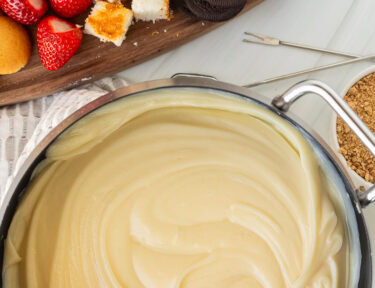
267,40
295,74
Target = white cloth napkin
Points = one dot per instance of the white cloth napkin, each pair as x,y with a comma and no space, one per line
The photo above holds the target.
24,125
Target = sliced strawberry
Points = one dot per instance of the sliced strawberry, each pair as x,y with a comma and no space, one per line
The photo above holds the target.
57,40
24,11
69,8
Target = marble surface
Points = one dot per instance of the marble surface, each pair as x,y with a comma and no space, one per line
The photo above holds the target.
344,25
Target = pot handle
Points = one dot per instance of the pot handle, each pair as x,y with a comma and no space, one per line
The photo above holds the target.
192,75
285,101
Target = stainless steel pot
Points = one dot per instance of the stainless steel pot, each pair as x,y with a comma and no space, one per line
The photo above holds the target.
353,201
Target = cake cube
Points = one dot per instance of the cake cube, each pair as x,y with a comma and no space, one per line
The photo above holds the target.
109,22
151,10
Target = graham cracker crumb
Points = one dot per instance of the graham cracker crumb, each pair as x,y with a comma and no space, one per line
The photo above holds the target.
361,98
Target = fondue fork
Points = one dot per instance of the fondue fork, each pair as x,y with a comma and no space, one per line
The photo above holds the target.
319,68
267,40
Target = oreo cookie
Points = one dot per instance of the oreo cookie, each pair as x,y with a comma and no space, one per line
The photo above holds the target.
212,10
226,3
180,4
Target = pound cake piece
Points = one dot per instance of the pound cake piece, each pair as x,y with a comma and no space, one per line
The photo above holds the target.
151,10
15,46
109,22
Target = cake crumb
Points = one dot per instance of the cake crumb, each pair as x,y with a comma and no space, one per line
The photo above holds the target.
155,33
165,30
135,44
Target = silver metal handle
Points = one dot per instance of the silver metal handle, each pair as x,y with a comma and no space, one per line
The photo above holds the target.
193,75
359,128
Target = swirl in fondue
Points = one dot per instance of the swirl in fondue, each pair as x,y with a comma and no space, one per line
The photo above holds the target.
178,188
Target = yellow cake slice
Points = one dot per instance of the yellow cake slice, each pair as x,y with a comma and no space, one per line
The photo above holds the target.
151,10
109,22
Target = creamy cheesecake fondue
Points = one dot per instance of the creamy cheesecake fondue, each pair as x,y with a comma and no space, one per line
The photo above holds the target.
178,189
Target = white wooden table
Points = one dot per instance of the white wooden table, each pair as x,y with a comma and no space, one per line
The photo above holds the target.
345,25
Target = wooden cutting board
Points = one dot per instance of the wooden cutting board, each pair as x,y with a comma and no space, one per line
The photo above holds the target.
96,59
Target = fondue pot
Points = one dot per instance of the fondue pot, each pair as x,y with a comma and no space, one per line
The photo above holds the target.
353,201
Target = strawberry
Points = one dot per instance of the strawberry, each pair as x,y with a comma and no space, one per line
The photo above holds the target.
57,40
24,11
69,8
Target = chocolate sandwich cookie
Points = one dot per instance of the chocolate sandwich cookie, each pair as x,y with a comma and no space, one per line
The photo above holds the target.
180,4
205,11
226,3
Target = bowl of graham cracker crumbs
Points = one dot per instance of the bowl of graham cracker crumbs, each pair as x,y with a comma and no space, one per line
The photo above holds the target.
360,95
